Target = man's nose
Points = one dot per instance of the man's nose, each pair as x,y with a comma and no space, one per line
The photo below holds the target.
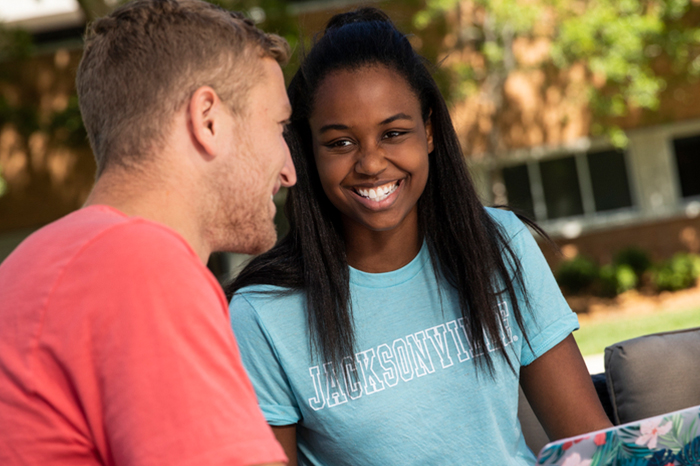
288,175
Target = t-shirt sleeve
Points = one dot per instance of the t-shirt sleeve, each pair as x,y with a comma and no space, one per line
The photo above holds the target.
144,333
276,398
549,318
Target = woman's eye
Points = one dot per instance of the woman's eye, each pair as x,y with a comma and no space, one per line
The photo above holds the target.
393,134
338,144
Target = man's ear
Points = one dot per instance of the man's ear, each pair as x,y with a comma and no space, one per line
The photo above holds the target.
205,113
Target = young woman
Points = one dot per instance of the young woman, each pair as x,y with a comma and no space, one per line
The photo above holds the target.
394,322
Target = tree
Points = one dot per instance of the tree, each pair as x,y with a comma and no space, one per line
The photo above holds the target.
93,9
64,126
609,57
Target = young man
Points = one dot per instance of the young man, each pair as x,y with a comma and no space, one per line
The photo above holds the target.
115,347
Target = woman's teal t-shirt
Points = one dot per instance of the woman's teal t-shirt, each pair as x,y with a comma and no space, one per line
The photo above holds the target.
411,394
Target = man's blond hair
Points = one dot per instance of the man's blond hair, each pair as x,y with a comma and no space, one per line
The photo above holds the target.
145,60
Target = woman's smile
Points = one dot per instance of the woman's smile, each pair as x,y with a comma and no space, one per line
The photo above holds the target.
378,196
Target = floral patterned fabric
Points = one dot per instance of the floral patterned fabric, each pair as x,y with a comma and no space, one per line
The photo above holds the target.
667,440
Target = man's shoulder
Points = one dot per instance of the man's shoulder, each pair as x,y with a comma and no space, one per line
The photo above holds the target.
100,232
128,265
137,239
134,248
100,245
66,235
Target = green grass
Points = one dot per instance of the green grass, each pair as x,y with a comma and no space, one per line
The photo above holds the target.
593,337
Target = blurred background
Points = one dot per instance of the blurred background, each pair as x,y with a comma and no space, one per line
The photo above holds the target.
583,114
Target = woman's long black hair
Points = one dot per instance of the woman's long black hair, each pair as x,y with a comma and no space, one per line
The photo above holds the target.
467,247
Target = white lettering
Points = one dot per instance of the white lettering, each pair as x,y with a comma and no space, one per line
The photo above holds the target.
386,358
318,402
438,337
372,381
382,367
421,355
353,386
334,392
404,359
506,331
461,343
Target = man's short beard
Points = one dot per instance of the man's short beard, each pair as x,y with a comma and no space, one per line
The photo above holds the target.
236,224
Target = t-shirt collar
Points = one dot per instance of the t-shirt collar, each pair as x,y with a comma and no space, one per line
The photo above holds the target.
395,277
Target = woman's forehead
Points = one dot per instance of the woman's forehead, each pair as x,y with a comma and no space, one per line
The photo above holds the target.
367,89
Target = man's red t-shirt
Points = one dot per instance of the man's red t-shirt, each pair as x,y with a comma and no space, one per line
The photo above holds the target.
115,349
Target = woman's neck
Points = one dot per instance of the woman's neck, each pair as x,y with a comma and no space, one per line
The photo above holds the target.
382,251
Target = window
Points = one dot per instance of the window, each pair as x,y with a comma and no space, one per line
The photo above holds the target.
611,189
688,160
517,183
562,192
580,184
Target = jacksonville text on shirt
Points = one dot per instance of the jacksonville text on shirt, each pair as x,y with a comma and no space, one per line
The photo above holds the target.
384,366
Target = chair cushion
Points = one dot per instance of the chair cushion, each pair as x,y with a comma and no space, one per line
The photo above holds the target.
653,374
600,384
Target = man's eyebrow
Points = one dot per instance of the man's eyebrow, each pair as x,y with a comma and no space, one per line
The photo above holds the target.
391,119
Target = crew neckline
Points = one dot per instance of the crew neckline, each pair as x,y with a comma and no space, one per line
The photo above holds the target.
109,210
105,208
394,277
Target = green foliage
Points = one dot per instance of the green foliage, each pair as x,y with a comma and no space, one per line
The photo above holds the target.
616,40
63,128
23,117
679,272
68,125
582,275
271,16
15,43
615,279
577,275
3,183
635,258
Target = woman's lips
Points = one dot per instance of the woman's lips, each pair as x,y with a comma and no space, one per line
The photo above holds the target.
379,197
377,193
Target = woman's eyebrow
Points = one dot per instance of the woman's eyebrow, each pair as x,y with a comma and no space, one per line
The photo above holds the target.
398,116
332,126
391,119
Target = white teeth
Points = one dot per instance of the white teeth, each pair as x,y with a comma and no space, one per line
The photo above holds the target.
379,193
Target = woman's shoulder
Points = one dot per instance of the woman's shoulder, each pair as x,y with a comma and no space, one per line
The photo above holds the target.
274,310
507,221
265,299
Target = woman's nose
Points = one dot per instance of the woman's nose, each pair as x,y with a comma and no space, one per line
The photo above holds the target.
371,161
